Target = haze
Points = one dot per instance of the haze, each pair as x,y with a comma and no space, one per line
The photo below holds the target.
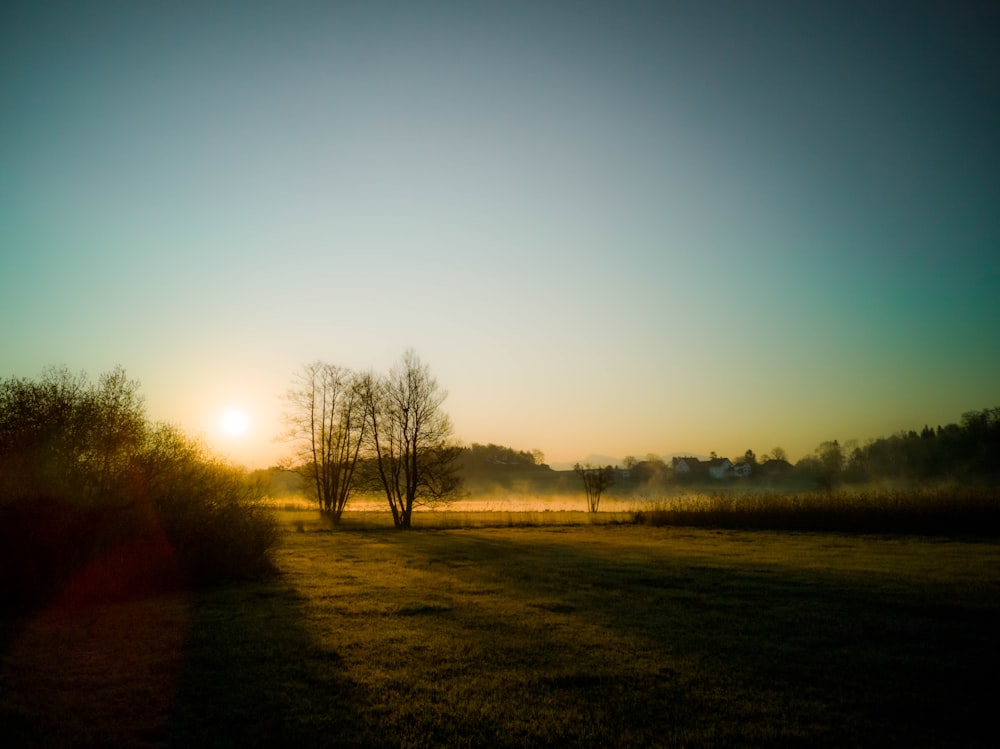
611,228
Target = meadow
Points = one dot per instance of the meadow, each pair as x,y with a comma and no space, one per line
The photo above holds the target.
536,629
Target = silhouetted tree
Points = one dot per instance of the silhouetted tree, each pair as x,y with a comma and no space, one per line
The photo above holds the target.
114,427
63,436
501,455
831,462
595,481
651,471
328,422
966,451
39,426
982,442
410,436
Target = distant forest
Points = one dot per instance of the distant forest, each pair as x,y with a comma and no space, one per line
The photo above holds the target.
967,452
964,452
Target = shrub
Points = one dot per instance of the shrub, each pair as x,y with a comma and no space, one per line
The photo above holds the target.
213,515
97,502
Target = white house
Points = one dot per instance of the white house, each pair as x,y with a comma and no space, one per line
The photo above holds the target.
716,468
720,468
742,470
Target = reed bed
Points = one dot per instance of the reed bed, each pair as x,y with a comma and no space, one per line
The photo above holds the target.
955,510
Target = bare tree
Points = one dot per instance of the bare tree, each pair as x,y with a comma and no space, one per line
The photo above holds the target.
410,438
328,421
595,481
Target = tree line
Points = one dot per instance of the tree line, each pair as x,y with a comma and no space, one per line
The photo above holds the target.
968,451
963,452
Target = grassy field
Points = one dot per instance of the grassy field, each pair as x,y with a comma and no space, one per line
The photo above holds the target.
530,635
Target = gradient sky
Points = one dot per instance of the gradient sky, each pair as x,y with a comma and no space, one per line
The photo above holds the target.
608,228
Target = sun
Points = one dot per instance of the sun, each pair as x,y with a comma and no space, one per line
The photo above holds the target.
234,422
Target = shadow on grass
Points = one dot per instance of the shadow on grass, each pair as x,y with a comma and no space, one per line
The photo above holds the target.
747,653
232,666
252,676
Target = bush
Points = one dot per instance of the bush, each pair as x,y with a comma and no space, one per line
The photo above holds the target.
213,515
95,502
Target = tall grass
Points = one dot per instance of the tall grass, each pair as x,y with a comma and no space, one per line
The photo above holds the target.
950,510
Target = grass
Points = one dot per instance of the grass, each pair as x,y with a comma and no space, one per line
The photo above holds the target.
555,634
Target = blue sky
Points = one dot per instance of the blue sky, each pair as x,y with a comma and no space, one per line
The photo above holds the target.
611,228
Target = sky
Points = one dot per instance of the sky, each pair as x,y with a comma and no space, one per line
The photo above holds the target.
608,228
